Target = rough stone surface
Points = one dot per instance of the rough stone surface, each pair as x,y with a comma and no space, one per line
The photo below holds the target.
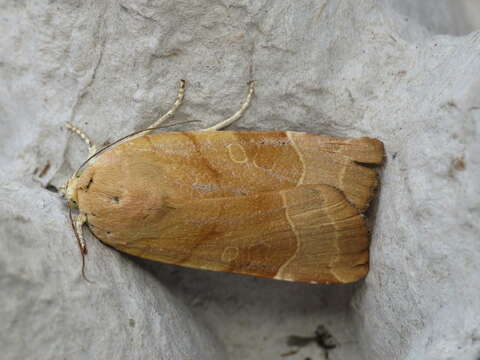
406,72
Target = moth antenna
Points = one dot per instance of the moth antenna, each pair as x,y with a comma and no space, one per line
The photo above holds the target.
80,241
92,148
173,109
238,114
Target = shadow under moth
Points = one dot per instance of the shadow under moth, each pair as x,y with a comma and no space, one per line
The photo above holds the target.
275,204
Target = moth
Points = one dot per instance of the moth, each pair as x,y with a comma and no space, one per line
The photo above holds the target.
277,204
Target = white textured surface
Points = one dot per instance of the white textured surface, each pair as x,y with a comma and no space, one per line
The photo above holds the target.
407,72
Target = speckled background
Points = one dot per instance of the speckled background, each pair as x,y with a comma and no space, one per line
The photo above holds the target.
406,72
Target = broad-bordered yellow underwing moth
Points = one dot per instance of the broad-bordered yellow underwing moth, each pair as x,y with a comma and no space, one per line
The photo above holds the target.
275,204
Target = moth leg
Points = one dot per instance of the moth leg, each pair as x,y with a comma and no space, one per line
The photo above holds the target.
238,114
92,148
80,220
171,112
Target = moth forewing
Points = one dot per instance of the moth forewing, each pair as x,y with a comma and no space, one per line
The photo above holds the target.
186,198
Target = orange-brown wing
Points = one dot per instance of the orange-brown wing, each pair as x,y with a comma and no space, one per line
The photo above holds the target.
310,233
337,162
222,164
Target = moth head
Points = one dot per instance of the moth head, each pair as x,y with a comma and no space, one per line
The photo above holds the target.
69,191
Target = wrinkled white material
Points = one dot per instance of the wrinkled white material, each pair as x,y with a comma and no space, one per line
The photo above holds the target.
406,72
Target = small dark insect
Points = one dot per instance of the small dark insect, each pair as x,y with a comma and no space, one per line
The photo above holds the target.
322,337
